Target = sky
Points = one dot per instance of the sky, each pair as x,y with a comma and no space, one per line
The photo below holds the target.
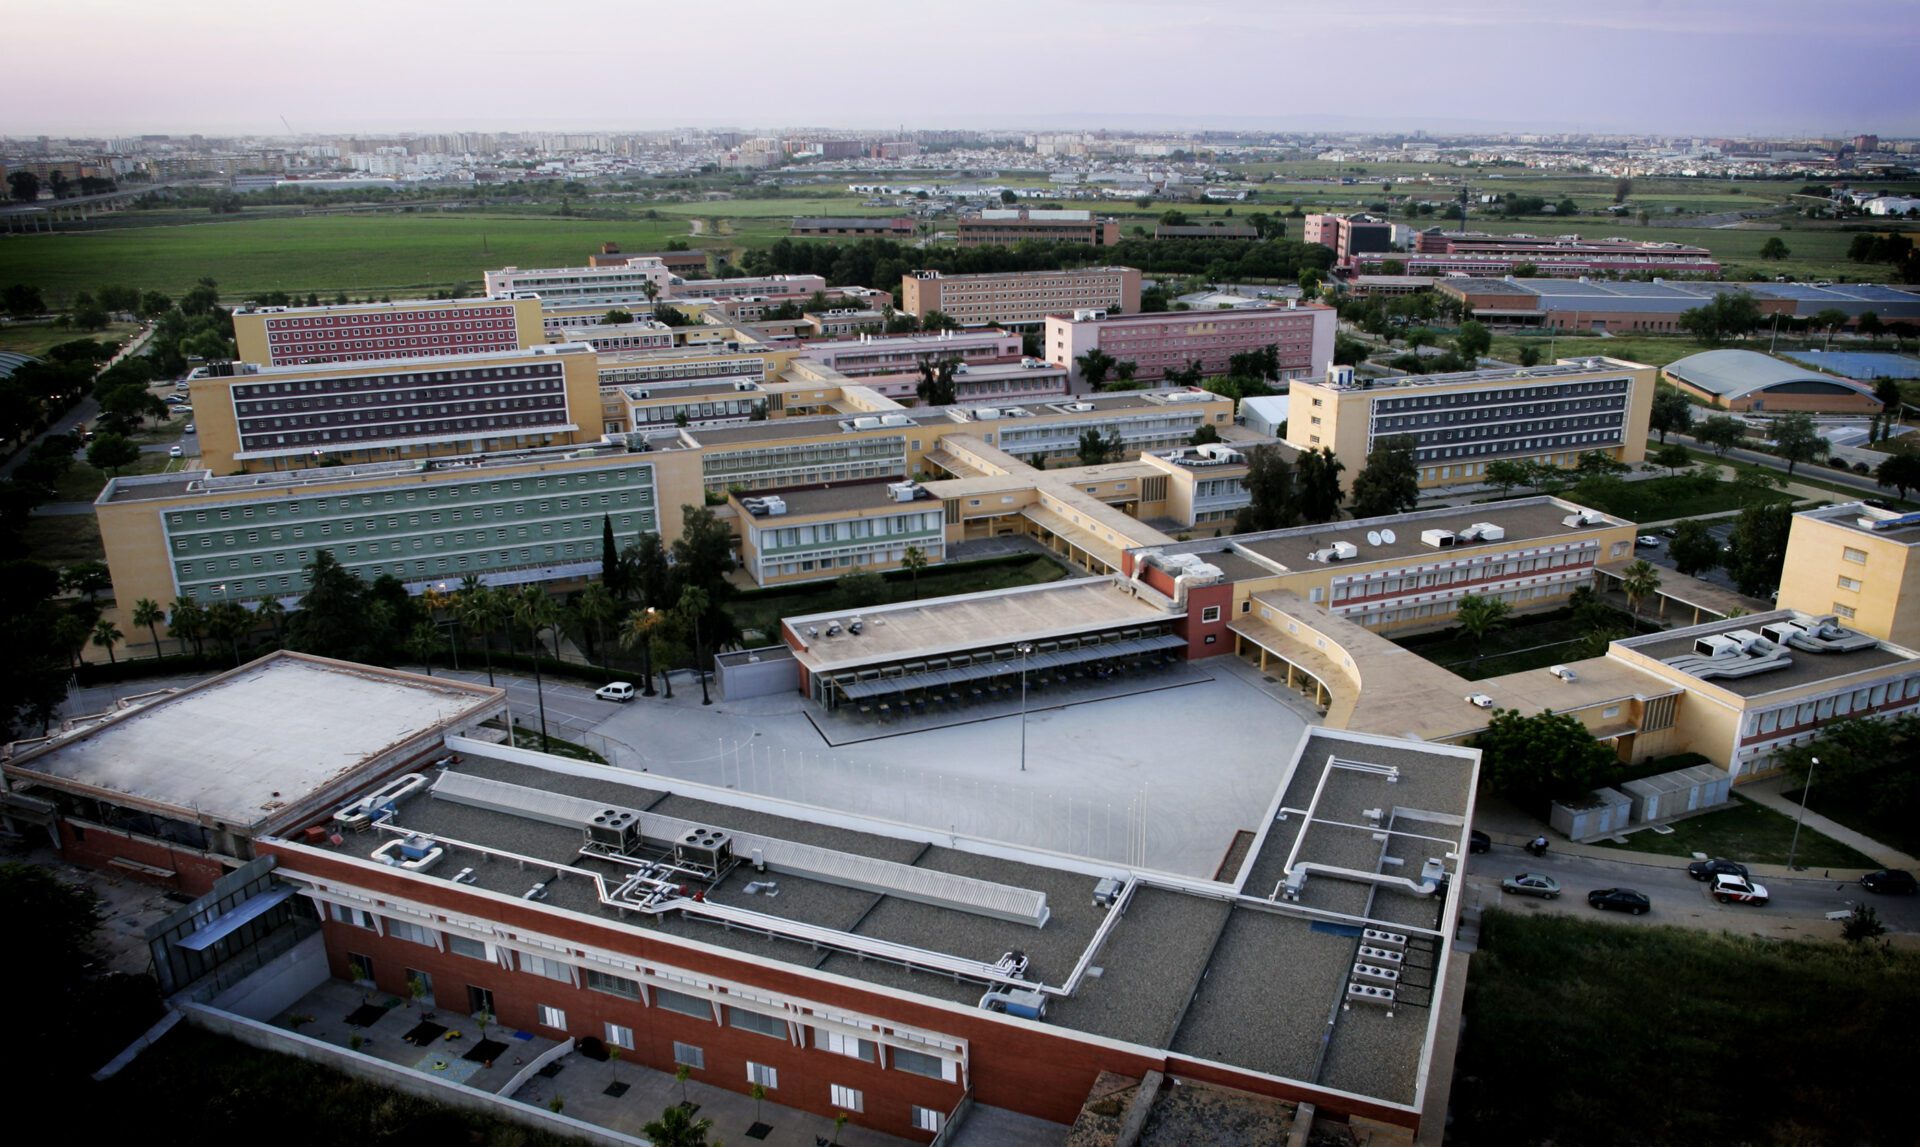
1716,67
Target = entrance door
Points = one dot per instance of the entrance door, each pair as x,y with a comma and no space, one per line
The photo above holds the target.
360,967
480,1000
420,986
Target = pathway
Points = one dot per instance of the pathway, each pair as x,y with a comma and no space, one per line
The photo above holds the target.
1772,792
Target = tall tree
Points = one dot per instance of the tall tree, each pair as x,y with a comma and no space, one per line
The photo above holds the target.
1097,449
1472,342
1547,756
1694,548
333,618
1720,433
1505,474
106,635
1639,581
1757,548
481,609
1797,439
534,610
1478,616
1892,406
1900,471
147,612
1390,482
1316,476
1671,412
423,640
188,623
595,606
1094,366
936,386
914,559
1270,484
110,451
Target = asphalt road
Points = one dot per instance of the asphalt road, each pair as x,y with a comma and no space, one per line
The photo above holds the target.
1798,905
1805,469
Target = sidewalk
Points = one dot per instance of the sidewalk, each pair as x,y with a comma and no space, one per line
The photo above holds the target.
1772,793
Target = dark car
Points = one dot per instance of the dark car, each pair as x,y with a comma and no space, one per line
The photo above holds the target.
1708,869
1619,900
1888,880
1478,841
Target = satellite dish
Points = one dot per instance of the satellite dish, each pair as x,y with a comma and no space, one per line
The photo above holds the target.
1373,537
1387,537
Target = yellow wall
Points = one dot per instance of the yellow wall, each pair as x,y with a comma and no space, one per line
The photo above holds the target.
1887,604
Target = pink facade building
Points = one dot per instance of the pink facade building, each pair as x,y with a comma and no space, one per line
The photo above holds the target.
1348,235
1157,343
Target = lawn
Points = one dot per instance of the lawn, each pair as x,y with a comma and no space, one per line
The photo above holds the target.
1526,641
1649,349
83,483
1665,499
38,338
1853,807
63,539
783,209
762,610
1583,1032
1748,832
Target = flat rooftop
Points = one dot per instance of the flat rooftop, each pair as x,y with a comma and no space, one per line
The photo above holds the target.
1901,528
239,747
1806,667
1524,519
967,621
247,372
836,499
1219,971
675,391
1565,368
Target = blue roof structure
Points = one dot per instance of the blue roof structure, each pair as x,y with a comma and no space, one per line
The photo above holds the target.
1859,364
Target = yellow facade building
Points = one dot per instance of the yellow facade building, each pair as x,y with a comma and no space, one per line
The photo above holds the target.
1859,563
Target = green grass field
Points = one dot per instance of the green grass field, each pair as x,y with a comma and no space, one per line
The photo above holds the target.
63,539
1581,1031
38,338
1747,832
1663,499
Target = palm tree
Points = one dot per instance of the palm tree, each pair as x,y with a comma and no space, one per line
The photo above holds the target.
105,635
274,614
480,608
1639,581
535,610
71,632
229,621
1479,616
421,641
595,606
147,612
189,623
913,560
437,602
676,1127
637,632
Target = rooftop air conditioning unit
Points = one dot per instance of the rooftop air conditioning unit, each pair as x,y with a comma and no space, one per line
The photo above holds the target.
710,848
868,422
1488,532
902,491
776,505
615,827
986,413
743,385
895,420
1344,550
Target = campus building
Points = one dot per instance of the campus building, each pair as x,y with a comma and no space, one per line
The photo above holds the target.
899,357
633,282
1577,304
642,334
263,418
1157,343
175,788
763,286
413,328
1438,252
1348,235
812,534
1005,227
1750,382
1858,563
842,226
510,517
691,263
1020,298
1461,422
658,405
1232,232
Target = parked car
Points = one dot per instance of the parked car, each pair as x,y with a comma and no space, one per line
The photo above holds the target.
1888,880
1532,884
617,691
1478,841
1619,900
187,429
177,400
1708,869
1647,542
1738,890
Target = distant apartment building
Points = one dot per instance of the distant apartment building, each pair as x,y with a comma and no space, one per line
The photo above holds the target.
1004,227
1348,235
842,323
623,284
772,286
645,334
1461,422
1020,298
412,328
1859,564
846,226
1157,343
262,418
1233,232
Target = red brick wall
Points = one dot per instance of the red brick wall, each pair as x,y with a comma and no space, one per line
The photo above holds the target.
1196,632
96,847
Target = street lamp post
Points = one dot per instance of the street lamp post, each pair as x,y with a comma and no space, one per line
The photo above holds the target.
1026,650
1812,763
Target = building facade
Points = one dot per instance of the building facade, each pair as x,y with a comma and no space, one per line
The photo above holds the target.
262,418
1348,235
634,282
1157,343
816,534
1020,298
843,226
1461,422
1005,227
415,328
1860,564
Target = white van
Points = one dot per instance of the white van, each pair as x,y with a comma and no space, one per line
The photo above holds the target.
617,691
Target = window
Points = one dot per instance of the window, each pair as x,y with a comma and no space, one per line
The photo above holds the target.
763,1075
1843,609
553,1017
690,1055
354,916
402,930
1857,557
551,969
920,1063
1848,583
681,1002
927,1119
846,1098
620,1036
756,1022
613,985
472,949
1210,614
844,1044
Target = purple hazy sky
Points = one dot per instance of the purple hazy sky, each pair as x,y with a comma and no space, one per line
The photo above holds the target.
1674,66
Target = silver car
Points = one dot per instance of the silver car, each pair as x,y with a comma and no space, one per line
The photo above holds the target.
1531,884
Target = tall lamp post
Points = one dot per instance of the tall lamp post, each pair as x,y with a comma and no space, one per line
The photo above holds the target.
1812,763
1026,650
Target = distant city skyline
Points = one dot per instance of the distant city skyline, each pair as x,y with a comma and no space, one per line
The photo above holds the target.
1708,67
